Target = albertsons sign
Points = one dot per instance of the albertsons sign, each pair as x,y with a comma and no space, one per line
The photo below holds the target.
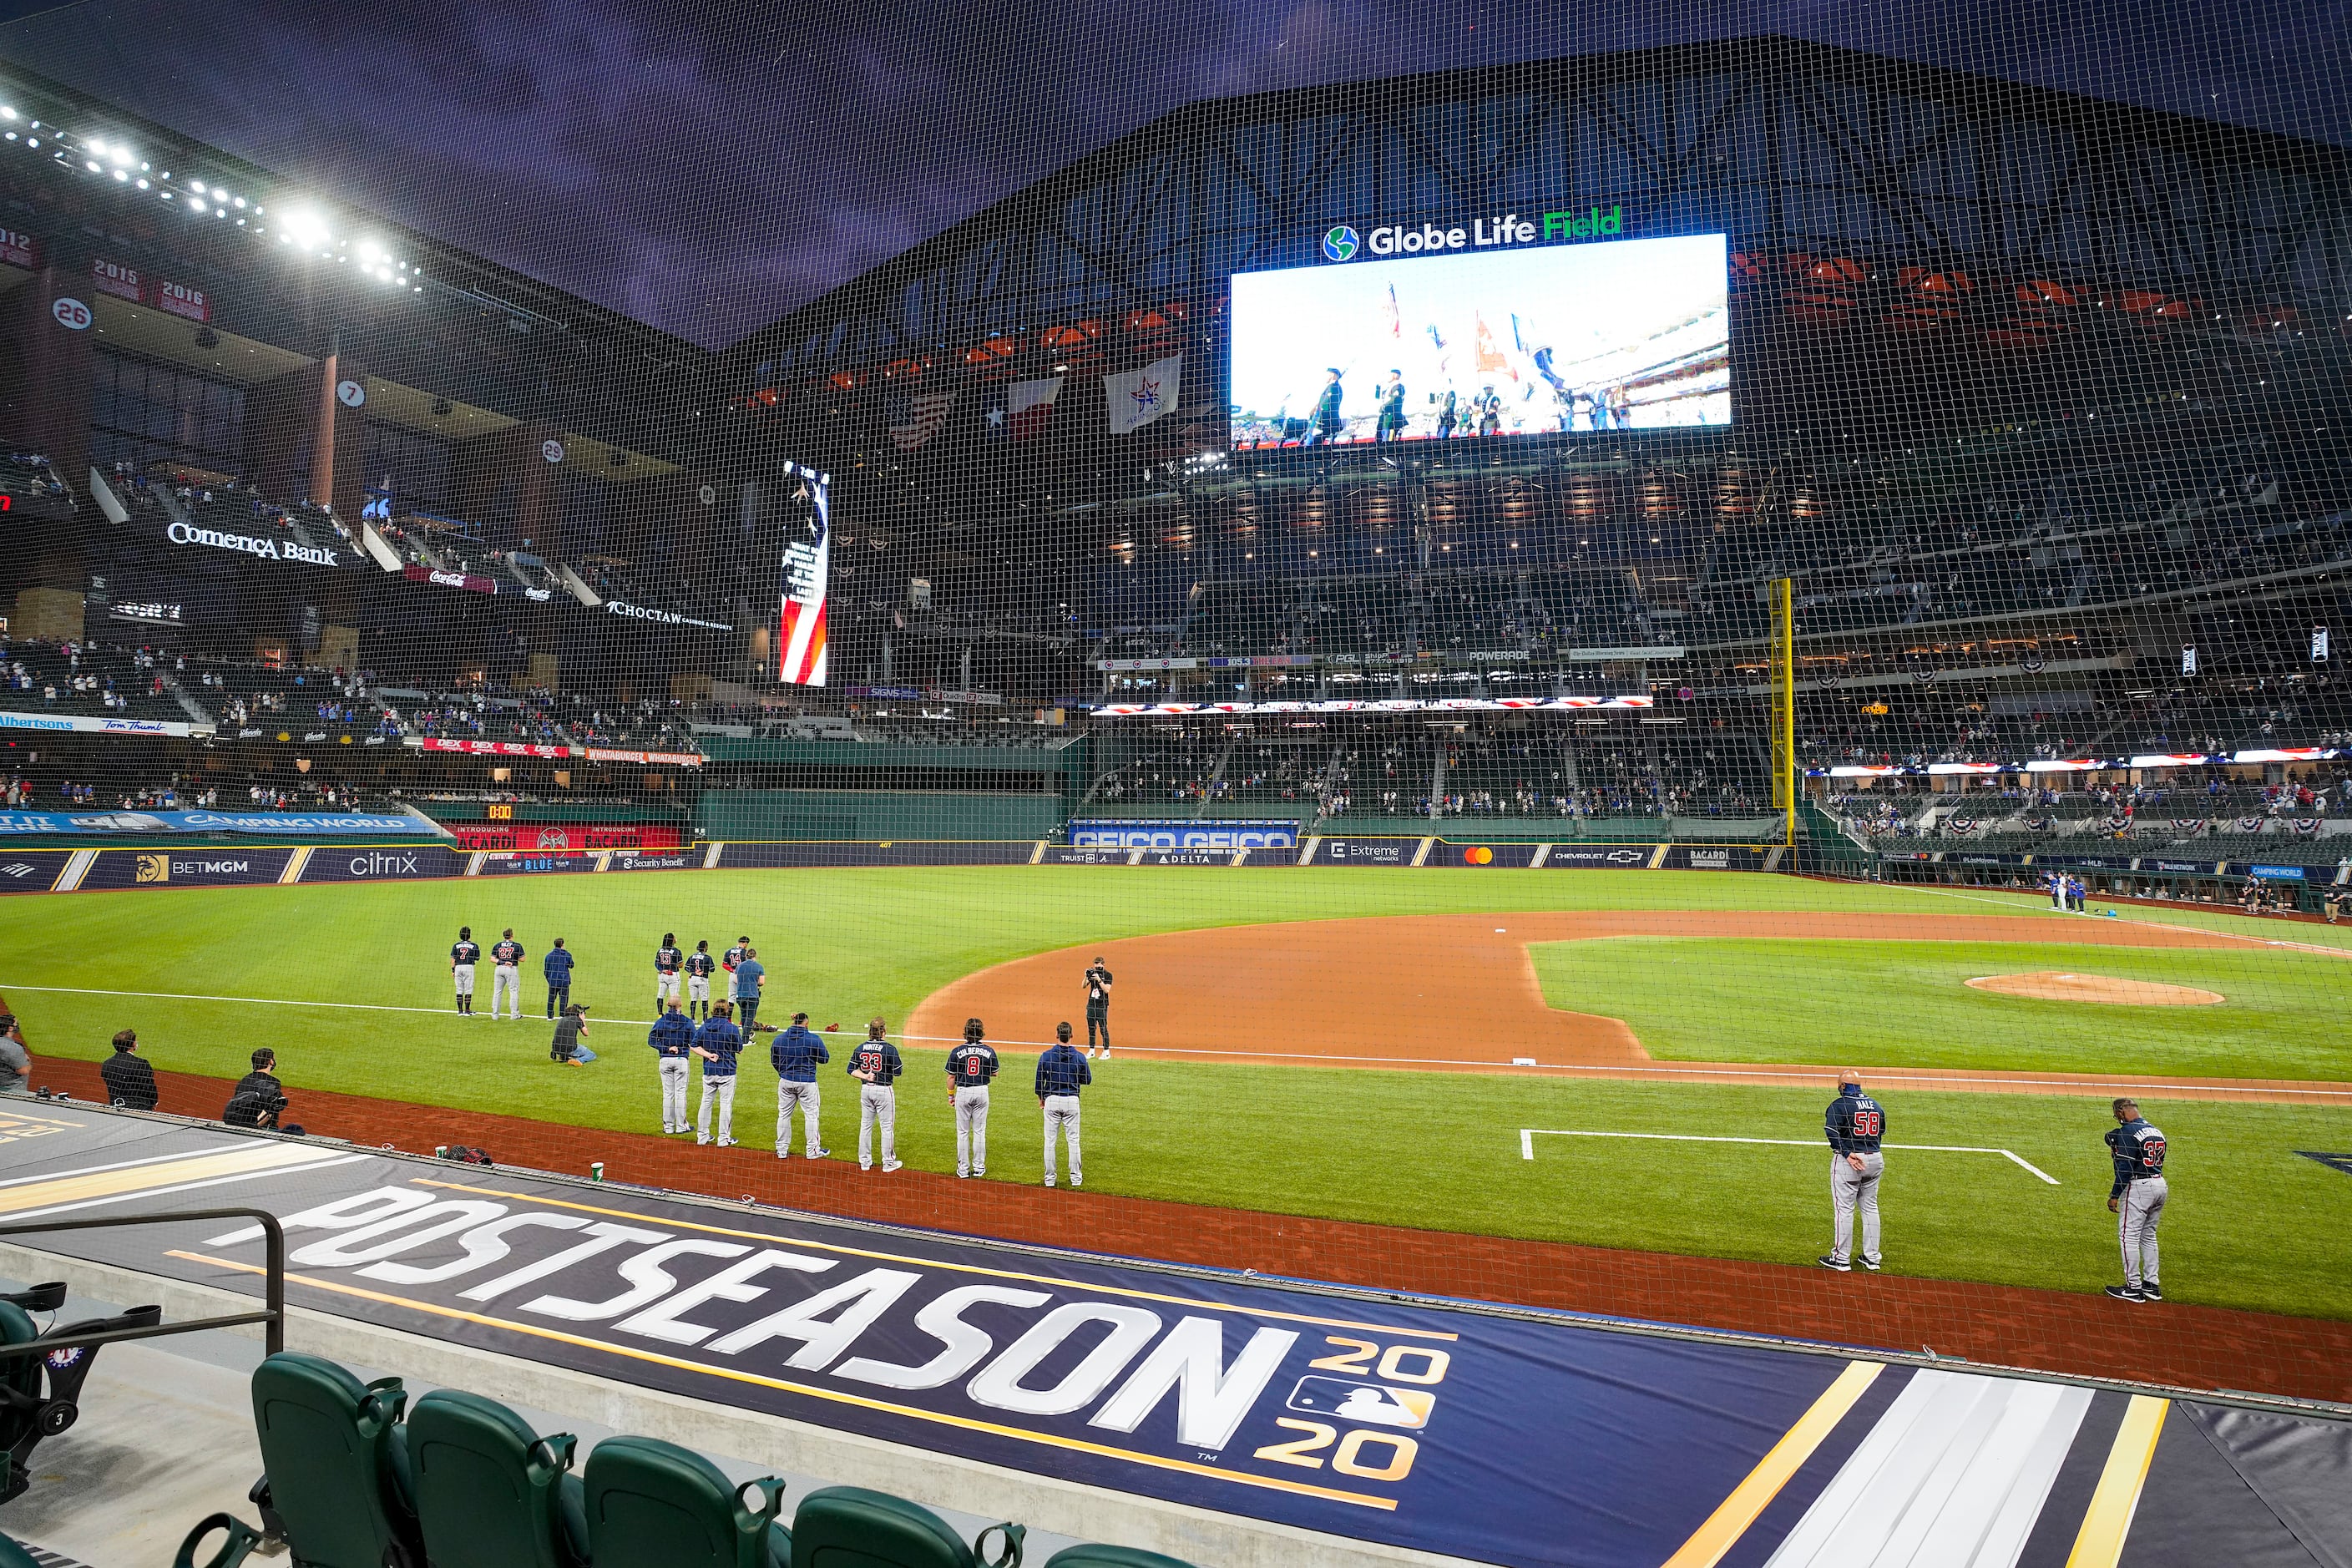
1343,242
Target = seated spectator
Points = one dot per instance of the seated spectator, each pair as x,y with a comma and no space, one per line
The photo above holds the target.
130,1081
258,1099
15,1061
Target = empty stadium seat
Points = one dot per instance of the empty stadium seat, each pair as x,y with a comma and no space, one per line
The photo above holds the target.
653,1504
38,1393
240,1541
336,1482
490,1492
850,1527
1111,1557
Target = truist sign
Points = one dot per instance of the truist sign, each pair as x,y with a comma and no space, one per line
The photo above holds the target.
247,544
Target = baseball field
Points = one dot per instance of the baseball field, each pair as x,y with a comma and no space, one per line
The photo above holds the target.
1627,1059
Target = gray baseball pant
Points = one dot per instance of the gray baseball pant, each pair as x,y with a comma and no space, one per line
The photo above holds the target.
1850,1188
971,1131
1062,1116
674,1073
803,1095
721,1090
2137,1217
877,1102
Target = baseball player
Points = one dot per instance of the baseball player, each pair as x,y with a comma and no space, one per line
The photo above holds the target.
874,1063
718,1043
727,963
751,977
1854,1122
699,967
2138,1197
972,1066
667,961
506,979
1061,1073
796,1054
1098,989
672,1038
464,954
557,967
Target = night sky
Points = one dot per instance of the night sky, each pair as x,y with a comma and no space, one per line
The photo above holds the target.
706,168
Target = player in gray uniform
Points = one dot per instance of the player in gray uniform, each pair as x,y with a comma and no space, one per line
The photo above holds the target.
464,954
875,1064
1854,1123
970,1067
1061,1073
2138,1197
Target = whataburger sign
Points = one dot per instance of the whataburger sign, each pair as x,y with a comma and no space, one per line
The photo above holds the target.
1487,1437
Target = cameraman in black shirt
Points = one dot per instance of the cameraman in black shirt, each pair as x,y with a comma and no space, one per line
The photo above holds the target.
258,1099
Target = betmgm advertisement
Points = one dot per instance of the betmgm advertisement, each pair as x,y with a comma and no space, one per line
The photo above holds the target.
1442,340
808,558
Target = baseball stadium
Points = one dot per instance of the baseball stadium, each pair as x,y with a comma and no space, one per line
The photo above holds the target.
1468,657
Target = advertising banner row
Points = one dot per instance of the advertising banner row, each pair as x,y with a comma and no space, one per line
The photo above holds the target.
2165,865
533,850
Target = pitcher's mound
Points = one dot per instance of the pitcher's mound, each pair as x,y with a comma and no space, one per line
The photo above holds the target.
2049,985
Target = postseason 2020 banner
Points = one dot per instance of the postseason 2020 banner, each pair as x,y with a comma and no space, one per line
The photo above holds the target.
1481,1436
1123,833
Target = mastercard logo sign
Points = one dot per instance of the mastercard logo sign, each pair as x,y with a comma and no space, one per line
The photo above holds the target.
1481,856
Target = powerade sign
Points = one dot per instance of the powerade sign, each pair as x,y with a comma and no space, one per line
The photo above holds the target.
1342,242
1115,834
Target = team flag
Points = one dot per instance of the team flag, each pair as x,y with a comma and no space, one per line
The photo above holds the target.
916,417
1140,396
1028,404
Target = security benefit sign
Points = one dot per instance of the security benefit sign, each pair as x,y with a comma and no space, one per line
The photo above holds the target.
1495,1439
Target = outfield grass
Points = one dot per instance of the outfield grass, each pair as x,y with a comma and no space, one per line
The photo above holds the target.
2252,1225
1906,1003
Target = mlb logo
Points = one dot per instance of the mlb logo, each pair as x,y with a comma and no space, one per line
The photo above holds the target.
1367,1403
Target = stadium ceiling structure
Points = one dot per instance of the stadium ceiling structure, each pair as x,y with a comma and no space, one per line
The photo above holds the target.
1786,145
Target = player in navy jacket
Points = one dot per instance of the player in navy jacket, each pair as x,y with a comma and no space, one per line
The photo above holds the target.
1062,1071
557,967
2138,1197
718,1042
1854,1123
672,1038
876,1064
796,1054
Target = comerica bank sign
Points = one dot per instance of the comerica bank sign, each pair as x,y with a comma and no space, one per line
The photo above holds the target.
247,544
1343,243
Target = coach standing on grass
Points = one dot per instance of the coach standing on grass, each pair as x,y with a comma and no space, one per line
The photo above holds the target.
557,967
1855,1123
751,974
1061,1073
718,1043
796,1054
2138,1197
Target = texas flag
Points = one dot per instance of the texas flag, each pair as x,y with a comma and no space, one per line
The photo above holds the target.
1027,405
1140,396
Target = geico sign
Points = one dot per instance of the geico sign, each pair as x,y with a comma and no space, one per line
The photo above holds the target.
666,618
271,549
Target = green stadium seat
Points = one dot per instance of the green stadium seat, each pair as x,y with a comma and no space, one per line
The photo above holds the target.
653,1504
39,1395
241,1543
490,1492
850,1527
12,1555
1111,1557
335,1459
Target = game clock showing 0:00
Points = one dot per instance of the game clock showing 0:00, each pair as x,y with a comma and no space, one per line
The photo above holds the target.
498,813
1369,1453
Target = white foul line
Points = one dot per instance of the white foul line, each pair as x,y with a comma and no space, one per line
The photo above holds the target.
1527,1144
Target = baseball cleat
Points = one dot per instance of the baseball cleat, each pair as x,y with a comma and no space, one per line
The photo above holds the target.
1049,1181
891,1165
2125,1293
820,1155
1869,1263
2149,1292
1839,1264
963,1175
727,1142
701,1142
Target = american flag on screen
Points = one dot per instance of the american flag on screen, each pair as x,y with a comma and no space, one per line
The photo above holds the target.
808,556
918,416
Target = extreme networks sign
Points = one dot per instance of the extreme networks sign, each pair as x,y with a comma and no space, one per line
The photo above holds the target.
1185,834
1341,242
247,544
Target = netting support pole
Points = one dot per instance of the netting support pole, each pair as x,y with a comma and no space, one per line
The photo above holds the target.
1783,699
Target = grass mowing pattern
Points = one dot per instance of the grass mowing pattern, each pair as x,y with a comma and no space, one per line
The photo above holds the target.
1906,1003
2252,1224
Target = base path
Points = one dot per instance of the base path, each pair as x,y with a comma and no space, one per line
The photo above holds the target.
1460,993
2048,1331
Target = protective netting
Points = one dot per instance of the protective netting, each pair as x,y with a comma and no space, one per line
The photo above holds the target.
1308,538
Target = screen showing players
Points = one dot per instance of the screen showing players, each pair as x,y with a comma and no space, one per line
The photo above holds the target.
808,556
1631,335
